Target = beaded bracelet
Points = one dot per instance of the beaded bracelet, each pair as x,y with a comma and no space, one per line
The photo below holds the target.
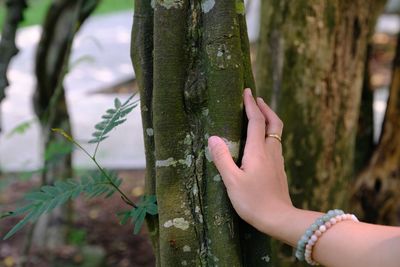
312,234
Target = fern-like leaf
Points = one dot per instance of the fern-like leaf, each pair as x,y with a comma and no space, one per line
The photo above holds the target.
112,118
45,200
98,184
147,205
49,197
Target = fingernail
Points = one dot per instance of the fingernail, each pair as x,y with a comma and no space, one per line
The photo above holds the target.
249,91
212,141
260,99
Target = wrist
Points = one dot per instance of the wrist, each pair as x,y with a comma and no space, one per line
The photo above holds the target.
289,224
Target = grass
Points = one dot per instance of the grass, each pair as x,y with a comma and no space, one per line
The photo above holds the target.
37,10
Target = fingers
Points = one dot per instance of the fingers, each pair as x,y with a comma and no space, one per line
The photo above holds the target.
275,125
256,126
222,159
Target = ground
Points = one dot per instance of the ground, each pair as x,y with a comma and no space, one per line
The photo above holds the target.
95,224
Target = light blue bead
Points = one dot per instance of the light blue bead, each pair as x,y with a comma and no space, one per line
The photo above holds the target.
319,222
299,255
314,227
326,218
331,213
309,233
304,238
339,212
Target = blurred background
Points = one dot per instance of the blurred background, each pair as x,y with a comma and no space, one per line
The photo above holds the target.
98,70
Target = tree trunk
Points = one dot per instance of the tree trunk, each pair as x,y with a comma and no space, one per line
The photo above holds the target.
142,58
8,48
192,62
365,129
63,20
377,188
311,63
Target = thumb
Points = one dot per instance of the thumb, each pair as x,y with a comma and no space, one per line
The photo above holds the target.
222,157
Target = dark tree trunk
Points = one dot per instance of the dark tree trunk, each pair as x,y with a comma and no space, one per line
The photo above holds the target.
365,130
311,69
62,22
377,188
8,48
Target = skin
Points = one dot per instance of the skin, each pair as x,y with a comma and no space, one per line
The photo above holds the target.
259,193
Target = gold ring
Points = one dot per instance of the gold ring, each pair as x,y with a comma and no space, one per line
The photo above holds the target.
276,136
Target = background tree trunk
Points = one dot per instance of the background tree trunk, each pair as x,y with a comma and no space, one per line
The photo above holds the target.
365,130
142,58
377,188
63,20
311,62
8,48
191,71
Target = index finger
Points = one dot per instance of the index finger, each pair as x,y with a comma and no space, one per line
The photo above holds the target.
256,126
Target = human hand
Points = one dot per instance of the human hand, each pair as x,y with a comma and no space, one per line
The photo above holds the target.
258,189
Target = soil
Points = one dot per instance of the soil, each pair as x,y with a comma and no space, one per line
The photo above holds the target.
94,224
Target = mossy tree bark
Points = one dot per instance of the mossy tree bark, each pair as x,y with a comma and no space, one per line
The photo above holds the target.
192,62
377,188
8,48
62,21
311,63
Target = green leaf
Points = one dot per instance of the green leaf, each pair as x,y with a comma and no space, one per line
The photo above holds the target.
106,116
150,203
101,185
49,197
150,198
45,200
20,224
99,139
124,216
147,205
117,103
152,209
111,119
51,190
140,215
21,128
111,111
37,196
23,210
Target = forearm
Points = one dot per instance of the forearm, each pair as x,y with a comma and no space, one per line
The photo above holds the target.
345,244
259,193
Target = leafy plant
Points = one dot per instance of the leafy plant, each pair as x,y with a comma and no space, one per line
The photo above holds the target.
49,197
103,183
111,119
21,128
137,215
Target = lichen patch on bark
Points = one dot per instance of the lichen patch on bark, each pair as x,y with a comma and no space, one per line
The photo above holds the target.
150,131
179,223
170,3
172,162
217,178
207,5
233,147
166,162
